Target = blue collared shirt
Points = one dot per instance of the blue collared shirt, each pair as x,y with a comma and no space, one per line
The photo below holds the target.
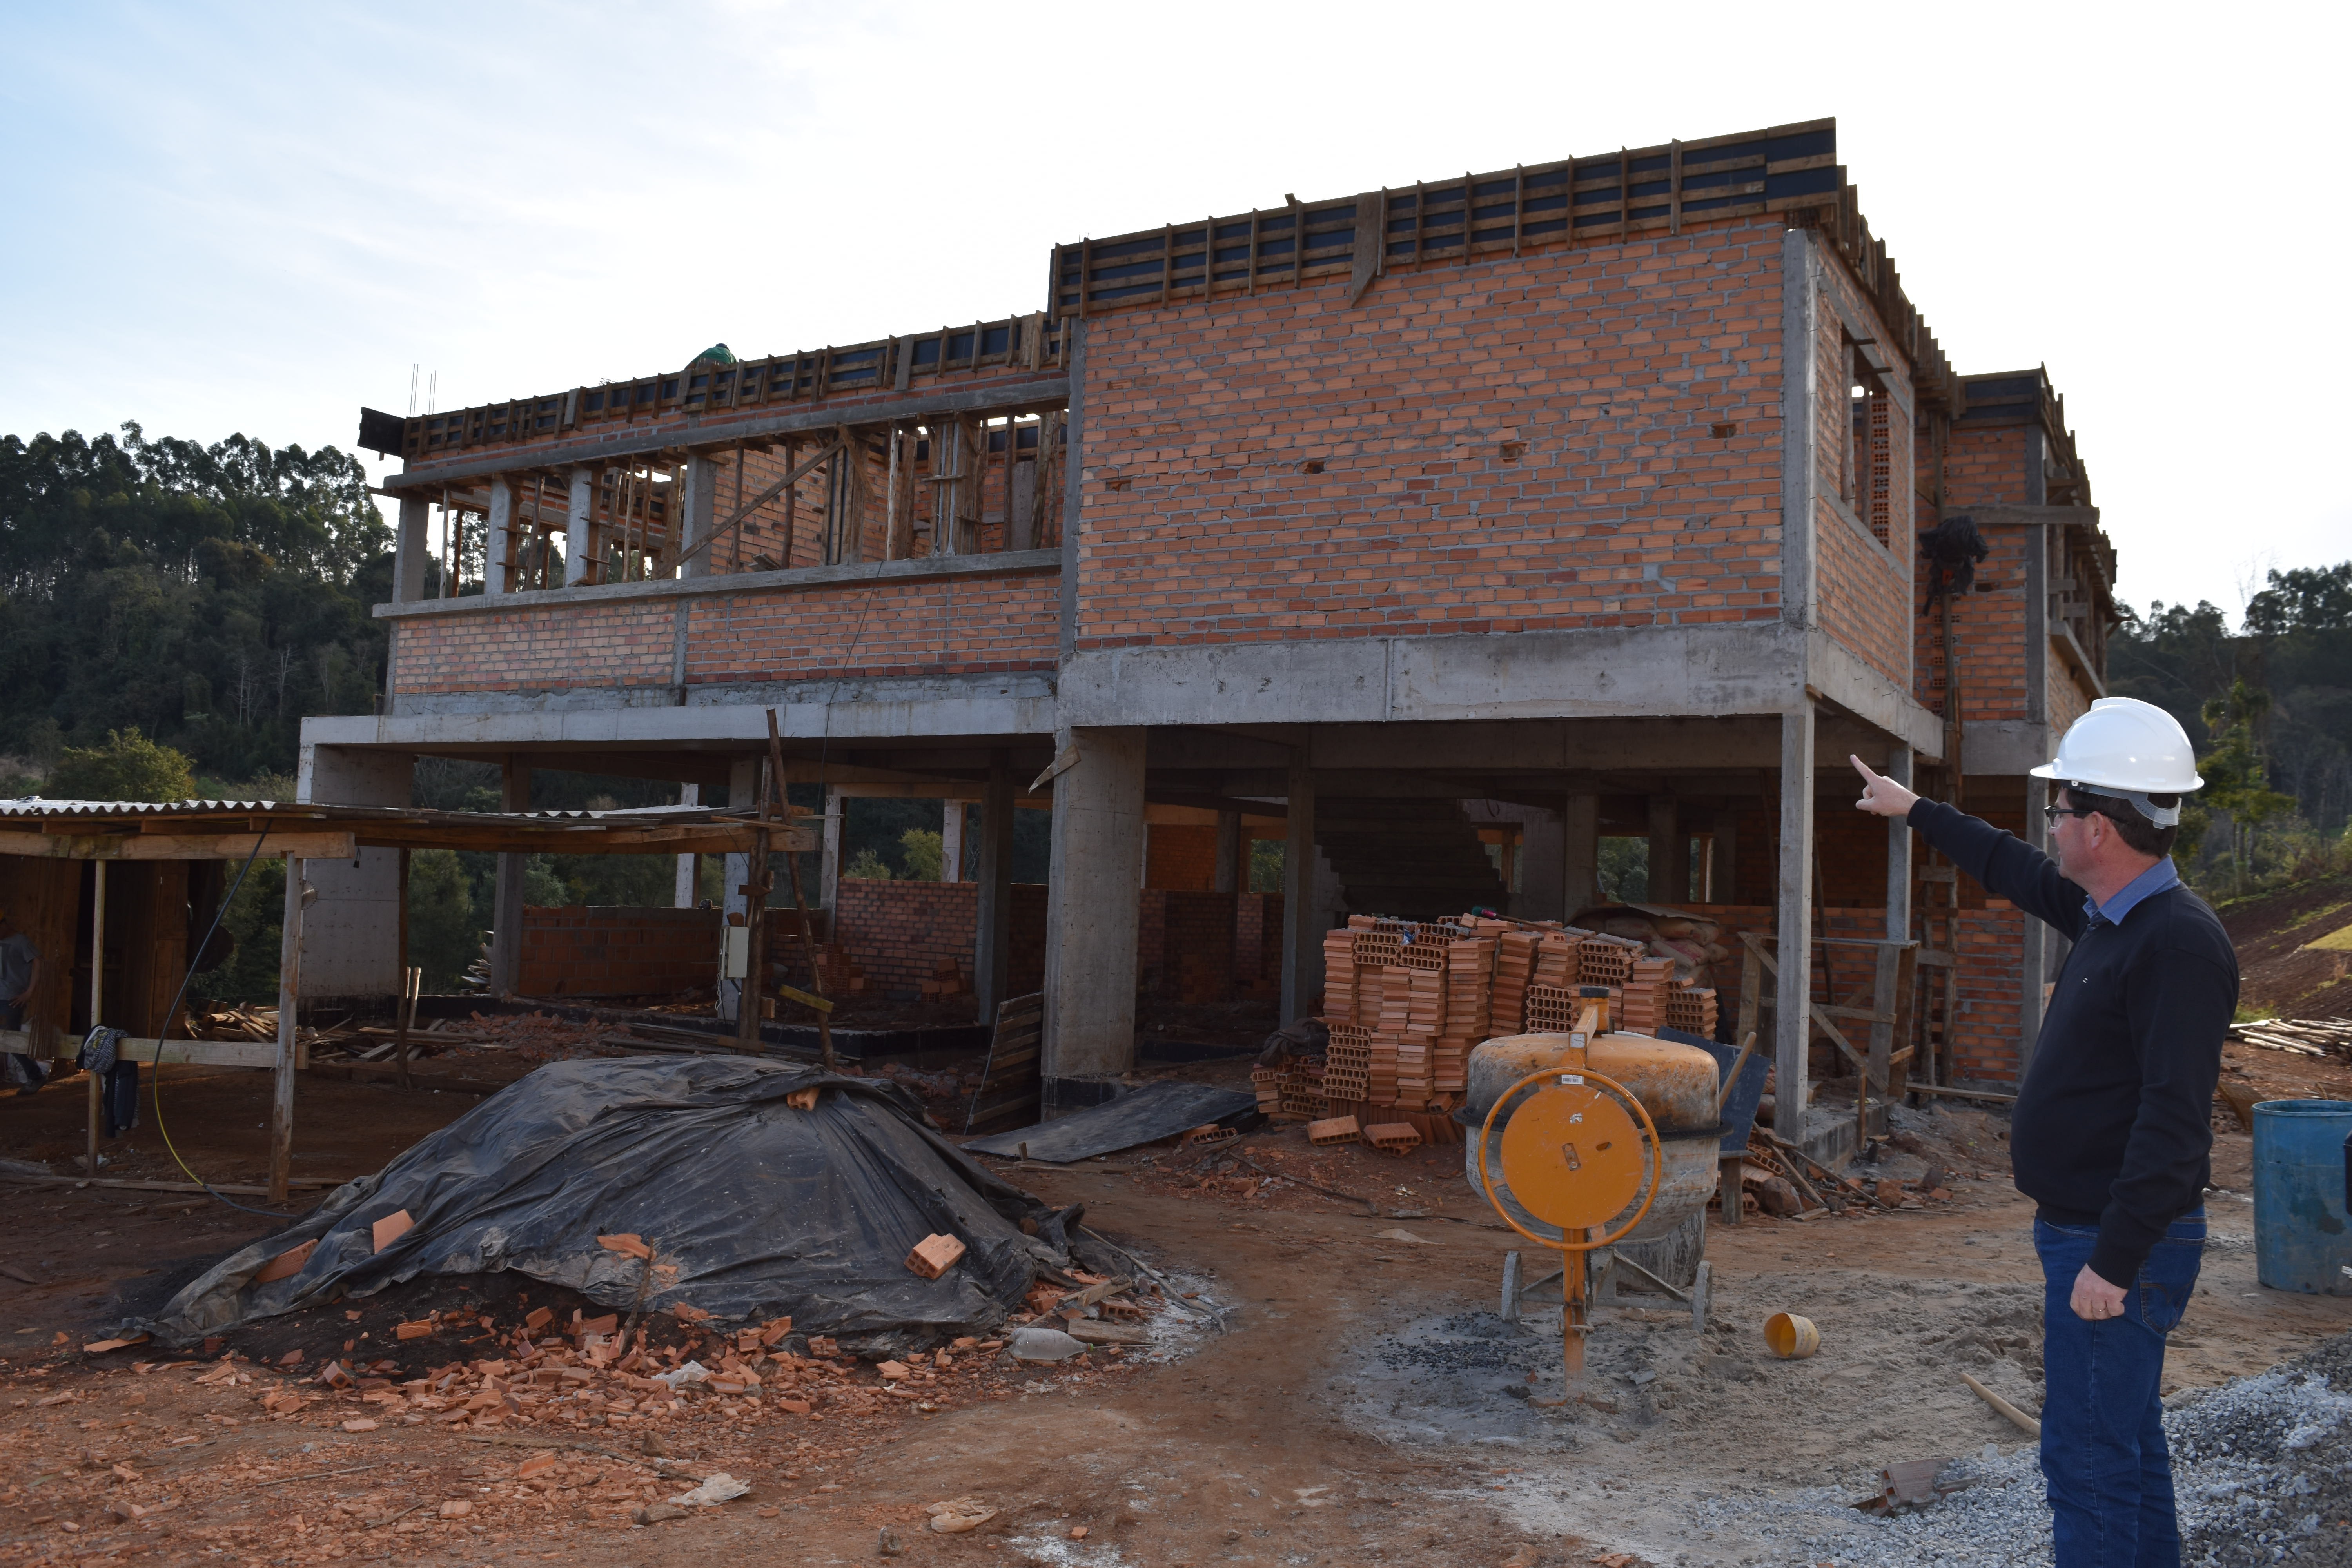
2157,878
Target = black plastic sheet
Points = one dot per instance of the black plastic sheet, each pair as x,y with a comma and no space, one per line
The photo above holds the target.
1156,1110
762,1210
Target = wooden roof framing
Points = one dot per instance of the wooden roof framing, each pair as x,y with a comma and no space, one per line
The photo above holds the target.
707,388
1789,169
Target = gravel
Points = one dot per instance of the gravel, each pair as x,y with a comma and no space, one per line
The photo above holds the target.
2262,1472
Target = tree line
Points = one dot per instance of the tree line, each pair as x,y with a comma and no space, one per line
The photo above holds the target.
2269,706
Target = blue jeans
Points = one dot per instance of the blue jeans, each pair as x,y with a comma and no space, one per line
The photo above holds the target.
2103,1454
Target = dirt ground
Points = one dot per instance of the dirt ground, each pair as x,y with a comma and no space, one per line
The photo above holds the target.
2282,974
1357,1400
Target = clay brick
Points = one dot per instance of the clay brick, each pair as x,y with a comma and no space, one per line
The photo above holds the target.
934,1255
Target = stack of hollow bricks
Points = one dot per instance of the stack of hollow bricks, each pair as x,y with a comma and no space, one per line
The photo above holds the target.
1405,1002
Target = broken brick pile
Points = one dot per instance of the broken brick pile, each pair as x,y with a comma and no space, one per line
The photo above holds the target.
539,1416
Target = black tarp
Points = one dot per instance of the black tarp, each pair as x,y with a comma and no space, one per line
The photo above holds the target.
764,1209
1156,1110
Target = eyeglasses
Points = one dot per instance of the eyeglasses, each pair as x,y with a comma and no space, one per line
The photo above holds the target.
2051,814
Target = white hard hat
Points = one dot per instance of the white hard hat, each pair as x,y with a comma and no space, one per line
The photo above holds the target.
2130,749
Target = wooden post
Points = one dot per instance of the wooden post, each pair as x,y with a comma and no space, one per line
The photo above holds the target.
97,996
289,992
776,791
401,1007
756,880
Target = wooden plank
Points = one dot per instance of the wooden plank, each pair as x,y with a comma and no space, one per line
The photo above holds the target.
170,1052
306,846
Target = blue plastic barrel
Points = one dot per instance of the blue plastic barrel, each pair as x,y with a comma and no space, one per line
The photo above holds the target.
2302,1236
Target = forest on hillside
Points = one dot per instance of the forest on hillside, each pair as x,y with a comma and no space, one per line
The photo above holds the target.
162,596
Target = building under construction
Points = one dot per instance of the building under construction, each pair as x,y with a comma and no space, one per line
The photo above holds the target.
1442,530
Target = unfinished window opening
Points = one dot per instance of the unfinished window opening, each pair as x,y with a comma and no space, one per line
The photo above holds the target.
1865,462
1623,870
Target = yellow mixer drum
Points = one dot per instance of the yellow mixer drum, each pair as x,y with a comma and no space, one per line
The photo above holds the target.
1571,1154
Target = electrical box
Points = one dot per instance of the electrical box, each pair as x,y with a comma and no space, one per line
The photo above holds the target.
738,952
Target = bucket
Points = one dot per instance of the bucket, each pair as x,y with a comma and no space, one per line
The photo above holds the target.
1790,1337
2303,1238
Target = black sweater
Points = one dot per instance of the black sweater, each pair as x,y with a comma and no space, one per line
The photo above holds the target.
2113,1119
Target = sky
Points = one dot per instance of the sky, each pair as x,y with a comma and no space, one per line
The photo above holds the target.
255,218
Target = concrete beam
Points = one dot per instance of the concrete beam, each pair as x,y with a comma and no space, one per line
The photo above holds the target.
1093,908
928,569
1706,672
831,711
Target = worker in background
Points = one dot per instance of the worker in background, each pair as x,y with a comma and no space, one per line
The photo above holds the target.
20,981
2112,1136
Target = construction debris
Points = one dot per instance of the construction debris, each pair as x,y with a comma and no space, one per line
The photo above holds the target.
2299,1036
553,1179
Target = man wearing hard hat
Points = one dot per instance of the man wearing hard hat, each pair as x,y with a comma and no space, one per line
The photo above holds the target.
2112,1135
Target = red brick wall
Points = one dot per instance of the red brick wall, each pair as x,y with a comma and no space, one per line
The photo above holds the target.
1610,363
1985,465
622,645
951,627
1988,633
1186,944
1863,587
1181,855
613,950
896,932
882,628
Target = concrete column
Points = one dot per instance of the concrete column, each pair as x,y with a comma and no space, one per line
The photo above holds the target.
1091,916
993,940
505,922
1899,852
497,553
1543,863
1669,853
742,793
579,527
1579,862
410,552
688,794
952,841
828,870
1302,936
697,503
1726,855
349,934
1792,1017
1229,852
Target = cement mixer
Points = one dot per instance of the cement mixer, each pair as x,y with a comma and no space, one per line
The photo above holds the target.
1591,1143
